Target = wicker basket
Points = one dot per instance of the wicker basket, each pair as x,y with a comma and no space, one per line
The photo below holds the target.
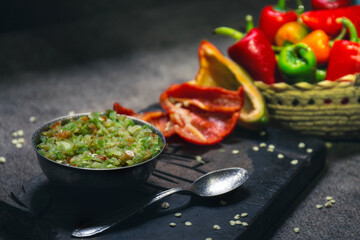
328,109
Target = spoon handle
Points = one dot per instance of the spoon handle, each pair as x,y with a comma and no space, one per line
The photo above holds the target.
100,225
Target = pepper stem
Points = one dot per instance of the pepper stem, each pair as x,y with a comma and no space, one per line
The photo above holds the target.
228,32
351,27
338,37
249,23
281,6
300,7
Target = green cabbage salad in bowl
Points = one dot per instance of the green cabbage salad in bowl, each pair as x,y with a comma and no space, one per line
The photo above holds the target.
99,141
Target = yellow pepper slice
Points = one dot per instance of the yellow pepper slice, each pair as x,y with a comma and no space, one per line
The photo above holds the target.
218,70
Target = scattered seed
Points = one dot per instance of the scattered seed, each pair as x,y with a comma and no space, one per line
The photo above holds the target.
178,105
271,146
186,103
262,133
319,206
172,224
21,140
20,132
32,119
245,224
237,216
2,159
19,145
328,205
235,151
232,222
187,223
296,230
208,238
71,113
223,202
294,162
328,198
244,214
216,227
167,126
178,215
165,205
262,144
14,134
309,150
332,201
301,145
14,141
280,156
255,148
199,159
238,222
270,149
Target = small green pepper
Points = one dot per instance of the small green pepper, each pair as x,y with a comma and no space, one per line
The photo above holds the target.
297,63
320,75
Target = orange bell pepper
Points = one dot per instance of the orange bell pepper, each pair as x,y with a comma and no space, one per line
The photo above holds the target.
290,33
318,41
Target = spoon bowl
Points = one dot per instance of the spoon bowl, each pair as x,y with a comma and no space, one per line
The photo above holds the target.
219,182
212,184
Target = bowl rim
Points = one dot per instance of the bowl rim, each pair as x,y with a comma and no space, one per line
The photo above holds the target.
45,125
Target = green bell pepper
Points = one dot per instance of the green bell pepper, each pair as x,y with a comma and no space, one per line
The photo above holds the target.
297,63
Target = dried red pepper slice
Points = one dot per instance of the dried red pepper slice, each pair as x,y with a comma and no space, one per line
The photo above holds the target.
213,99
202,115
159,119
123,110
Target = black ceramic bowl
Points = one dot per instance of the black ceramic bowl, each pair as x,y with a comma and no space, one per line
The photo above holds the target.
75,177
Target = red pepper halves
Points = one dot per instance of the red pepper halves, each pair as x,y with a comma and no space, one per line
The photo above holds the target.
201,115
326,19
345,54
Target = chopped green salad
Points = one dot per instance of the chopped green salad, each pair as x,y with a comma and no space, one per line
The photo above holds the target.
99,141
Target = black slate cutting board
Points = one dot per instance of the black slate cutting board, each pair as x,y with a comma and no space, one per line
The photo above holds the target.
42,211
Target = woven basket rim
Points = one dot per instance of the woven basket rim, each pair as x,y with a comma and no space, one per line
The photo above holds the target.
347,81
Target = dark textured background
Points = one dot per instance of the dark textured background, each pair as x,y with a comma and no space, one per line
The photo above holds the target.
62,56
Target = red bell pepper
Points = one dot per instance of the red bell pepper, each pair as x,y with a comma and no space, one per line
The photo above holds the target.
345,54
253,52
325,19
273,17
202,115
329,4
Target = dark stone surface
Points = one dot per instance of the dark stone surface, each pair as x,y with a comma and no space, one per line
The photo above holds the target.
82,56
